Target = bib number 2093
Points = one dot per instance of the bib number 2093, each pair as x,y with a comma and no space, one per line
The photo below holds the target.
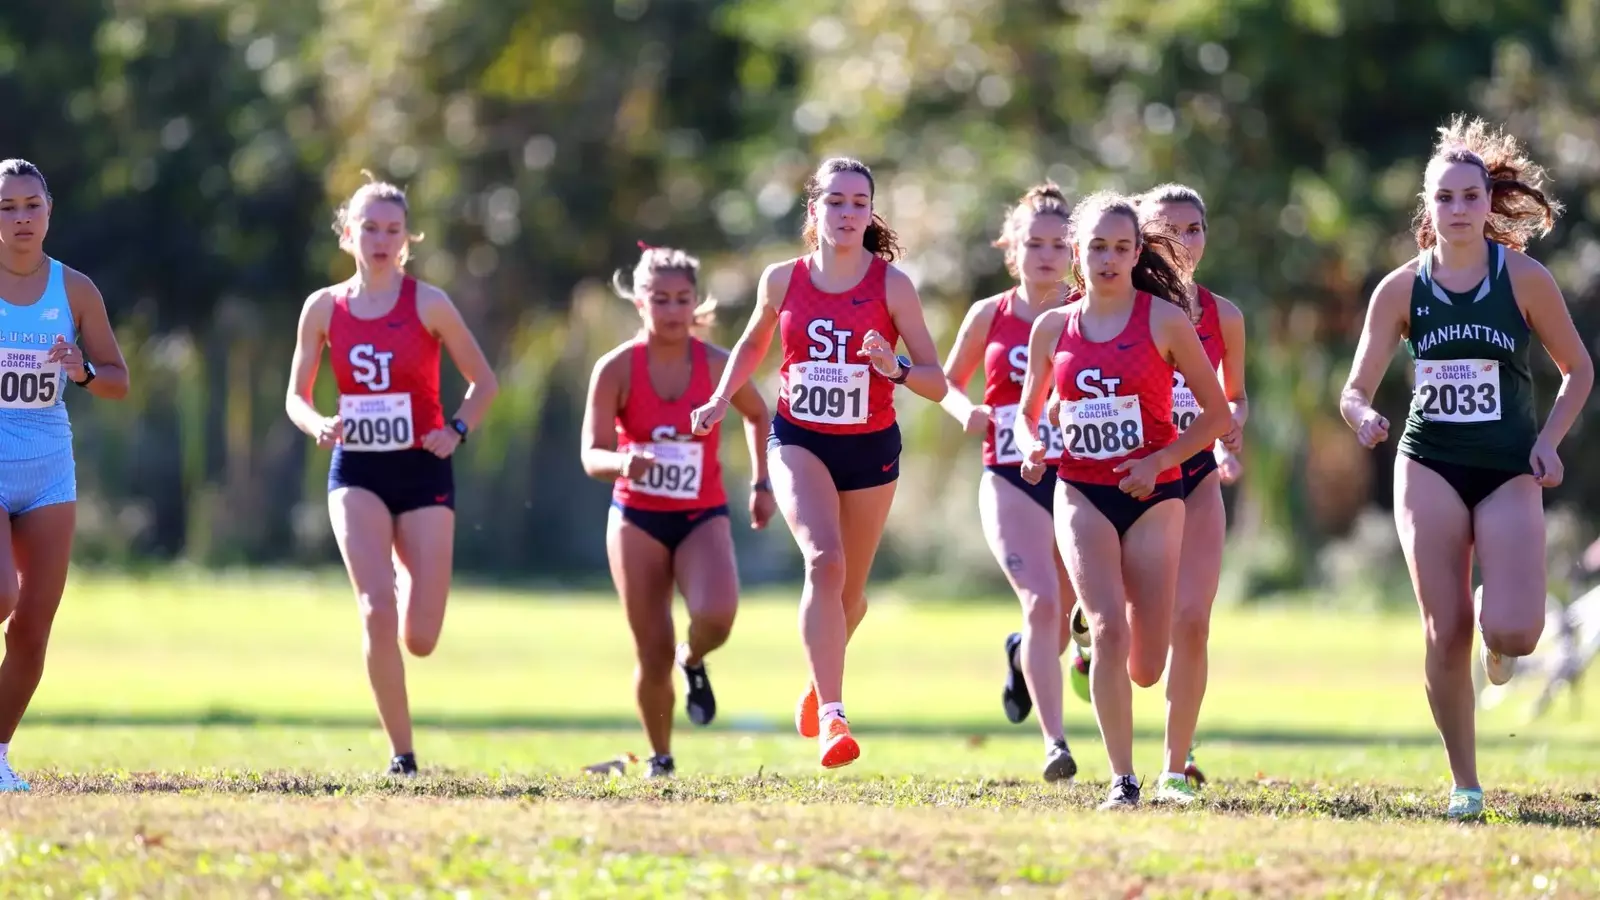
376,423
28,380
828,393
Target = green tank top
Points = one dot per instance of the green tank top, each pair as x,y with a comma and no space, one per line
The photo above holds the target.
1472,403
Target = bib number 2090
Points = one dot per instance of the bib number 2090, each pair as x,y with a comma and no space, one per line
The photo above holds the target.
28,380
828,393
376,423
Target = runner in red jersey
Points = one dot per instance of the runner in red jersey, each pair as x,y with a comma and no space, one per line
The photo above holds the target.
1220,327
669,513
391,493
1015,514
1110,356
836,447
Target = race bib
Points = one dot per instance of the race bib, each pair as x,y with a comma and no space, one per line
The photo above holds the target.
1102,427
677,471
1457,390
376,423
1185,409
28,379
1005,441
828,393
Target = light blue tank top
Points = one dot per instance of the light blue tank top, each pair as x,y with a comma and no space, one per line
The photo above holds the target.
33,414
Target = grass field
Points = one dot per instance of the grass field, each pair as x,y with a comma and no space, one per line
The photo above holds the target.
214,737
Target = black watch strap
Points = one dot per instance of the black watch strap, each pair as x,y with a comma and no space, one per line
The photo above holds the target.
460,428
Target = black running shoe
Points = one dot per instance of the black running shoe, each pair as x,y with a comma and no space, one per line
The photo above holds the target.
1124,793
699,702
1016,699
404,764
662,767
1059,764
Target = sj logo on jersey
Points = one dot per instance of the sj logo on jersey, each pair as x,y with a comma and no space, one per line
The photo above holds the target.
370,367
663,433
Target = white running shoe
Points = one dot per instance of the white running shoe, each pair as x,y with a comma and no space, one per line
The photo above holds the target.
9,782
1498,668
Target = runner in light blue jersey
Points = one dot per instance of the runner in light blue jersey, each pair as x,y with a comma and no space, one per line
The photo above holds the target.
46,311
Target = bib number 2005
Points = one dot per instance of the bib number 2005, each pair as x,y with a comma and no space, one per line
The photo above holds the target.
28,380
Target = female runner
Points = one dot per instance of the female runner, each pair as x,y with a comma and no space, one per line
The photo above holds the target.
1472,460
1016,514
835,444
391,490
1118,508
53,328
669,514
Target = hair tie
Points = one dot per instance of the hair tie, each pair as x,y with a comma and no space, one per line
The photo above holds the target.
646,247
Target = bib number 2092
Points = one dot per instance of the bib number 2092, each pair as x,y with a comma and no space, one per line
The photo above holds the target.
28,380
376,423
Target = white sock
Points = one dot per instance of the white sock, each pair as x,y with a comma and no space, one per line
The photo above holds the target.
830,709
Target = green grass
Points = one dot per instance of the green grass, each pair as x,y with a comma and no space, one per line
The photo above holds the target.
214,736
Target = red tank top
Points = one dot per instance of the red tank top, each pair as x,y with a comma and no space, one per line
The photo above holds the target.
688,471
387,370
1118,398
1005,360
1184,407
827,386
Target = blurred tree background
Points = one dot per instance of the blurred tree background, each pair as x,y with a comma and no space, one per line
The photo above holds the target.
197,149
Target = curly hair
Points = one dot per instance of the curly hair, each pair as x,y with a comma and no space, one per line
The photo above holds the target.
879,239
1519,209
1162,257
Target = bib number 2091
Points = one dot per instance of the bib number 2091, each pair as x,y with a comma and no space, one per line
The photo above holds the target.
376,423
1102,428
28,380
828,393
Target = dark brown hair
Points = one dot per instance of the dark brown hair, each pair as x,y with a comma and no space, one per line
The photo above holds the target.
879,239
1162,257
373,190
1041,200
1519,209
23,167
1172,192
664,259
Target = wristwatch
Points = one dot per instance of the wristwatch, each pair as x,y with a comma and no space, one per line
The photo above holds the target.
905,369
764,484
460,428
88,374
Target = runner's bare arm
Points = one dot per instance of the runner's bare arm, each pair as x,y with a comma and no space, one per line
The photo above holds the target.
926,378
601,460
96,338
312,334
440,316
966,355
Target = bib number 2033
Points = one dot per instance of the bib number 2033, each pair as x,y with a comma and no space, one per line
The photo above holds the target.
376,423
28,380
1102,427
1458,390
828,393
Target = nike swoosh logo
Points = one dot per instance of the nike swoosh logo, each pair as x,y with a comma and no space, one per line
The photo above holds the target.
440,498
890,465
860,300
1127,346
1196,470
396,324
694,515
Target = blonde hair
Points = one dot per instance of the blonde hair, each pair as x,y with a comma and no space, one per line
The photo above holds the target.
1519,209
1041,200
373,190
664,259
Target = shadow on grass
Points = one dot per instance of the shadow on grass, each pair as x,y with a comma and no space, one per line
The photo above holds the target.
223,717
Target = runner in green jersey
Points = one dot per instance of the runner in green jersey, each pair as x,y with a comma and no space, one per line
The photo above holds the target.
1472,457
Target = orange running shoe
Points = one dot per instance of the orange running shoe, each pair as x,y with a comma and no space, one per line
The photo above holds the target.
805,714
839,748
